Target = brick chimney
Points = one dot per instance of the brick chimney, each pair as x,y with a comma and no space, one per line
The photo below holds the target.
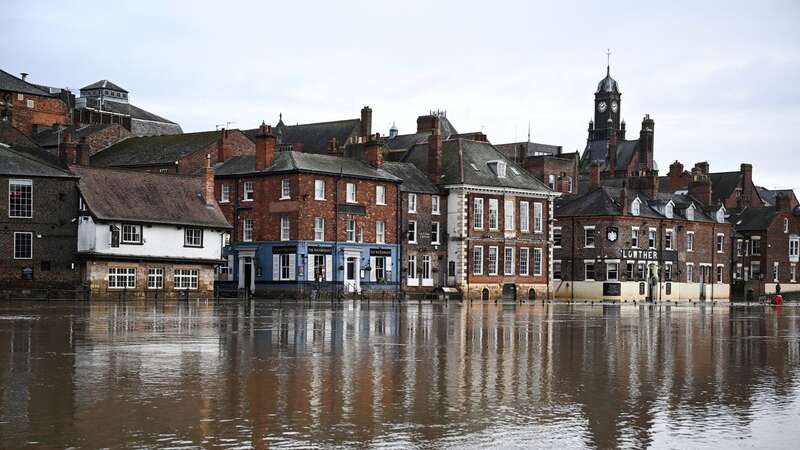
224,150
82,152
783,202
700,187
702,167
612,148
333,148
747,183
67,149
676,176
265,147
427,123
594,180
366,122
208,182
646,142
435,155
373,151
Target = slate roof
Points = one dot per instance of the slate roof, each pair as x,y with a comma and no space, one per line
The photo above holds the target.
752,219
446,129
49,137
313,137
104,84
11,83
292,162
597,151
145,197
518,150
607,84
723,184
414,180
28,163
467,162
768,196
146,150
13,137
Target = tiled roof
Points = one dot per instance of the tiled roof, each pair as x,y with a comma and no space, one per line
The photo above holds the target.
723,184
597,151
13,137
11,83
49,137
153,149
291,161
752,219
313,137
414,180
607,201
29,163
103,84
145,197
518,150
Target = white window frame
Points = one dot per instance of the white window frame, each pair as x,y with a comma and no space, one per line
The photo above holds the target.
558,274
319,189
785,225
501,169
636,207
188,241
477,269
350,230
719,243
586,244
689,272
537,262
494,213
560,241
634,237
427,267
524,217
155,278
247,230
753,247
123,278
609,265
538,220
380,232
508,260
352,195
690,241
524,257
776,270
138,233
508,215
720,273
412,267
380,194
248,191
14,249
319,229
585,272
652,235
794,248
477,213
286,189
225,193
412,203
435,205
435,234
793,272
412,225
286,226
284,267
489,269
669,239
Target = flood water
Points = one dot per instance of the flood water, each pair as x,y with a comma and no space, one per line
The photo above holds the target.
265,375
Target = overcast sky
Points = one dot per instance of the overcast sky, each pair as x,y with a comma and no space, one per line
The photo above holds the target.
720,79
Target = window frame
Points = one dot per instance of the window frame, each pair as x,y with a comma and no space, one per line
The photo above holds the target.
121,274
155,274
435,205
477,213
609,266
524,217
412,203
247,228
319,229
138,227
248,191
586,230
286,228
350,230
538,262
351,194
286,189
224,193
719,243
524,259
538,217
380,232
435,235
380,194
185,279
409,233
186,237
508,215
489,270
20,182
319,188
634,237
494,206
690,241
14,245
586,266
477,269
508,261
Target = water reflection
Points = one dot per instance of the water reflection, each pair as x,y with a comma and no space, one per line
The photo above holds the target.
258,374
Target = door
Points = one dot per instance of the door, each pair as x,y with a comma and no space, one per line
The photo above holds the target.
351,275
248,272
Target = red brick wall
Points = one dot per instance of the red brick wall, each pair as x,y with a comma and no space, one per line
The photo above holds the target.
105,137
45,111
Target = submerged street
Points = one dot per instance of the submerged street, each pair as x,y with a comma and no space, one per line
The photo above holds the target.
91,375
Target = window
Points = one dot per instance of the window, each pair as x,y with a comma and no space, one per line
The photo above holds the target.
319,267
319,229
667,272
284,267
756,246
668,239
689,273
286,190
29,103
557,270
721,215
350,230
193,237
640,271
669,211
351,193
508,216
477,260
629,271
155,278
537,217
380,232
412,266
785,225
537,262
612,271
380,269
435,233
492,269
185,279
721,270
793,273
651,238
225,193
478,214
738,247
319,189
23,245
493,213
435,205
635,237
380,195
570,185
247,230
794,247
501,169
131,234
588,236
524,219
508,261
636,207
551,181
426,267
248,191
720,242
412,203
285,224
121,278
690,212
451,268
557,237
690,241
412,231
523,261
775,271
588,271
20,198
755,269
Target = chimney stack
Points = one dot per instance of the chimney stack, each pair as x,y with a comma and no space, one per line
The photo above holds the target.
594,181
702,167
366,122
67,149
82,153
208,182
23,75
700,187
747,183
646,144
435,155
373,151
265,147
783,202
223,147
333,148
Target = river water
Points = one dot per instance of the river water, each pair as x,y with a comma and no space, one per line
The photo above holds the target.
265,375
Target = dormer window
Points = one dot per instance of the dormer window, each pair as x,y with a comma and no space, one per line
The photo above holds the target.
501,169
668,210
636,207
721,215
690,212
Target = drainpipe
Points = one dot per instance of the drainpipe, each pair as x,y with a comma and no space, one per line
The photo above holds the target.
399,238
713,257
572,259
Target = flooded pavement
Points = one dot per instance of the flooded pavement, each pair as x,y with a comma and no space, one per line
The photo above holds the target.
206,374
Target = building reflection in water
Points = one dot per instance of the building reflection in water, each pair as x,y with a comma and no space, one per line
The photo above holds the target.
205,373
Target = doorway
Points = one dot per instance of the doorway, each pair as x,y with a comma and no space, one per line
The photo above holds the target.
352,280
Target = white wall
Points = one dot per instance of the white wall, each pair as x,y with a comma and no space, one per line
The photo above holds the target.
164,241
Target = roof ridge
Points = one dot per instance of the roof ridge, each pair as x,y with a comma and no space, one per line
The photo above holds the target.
34,158
134,171
321,123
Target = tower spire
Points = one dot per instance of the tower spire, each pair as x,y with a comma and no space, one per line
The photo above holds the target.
608,61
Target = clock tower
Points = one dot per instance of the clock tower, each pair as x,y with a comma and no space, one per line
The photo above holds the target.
607,109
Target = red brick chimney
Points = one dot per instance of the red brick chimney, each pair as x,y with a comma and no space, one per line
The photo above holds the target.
224,150
208,182
700,187
702,167
265,147
373,151
67,149
675,175
747,184
427,123
646,143
612,148
333,148
594,180
366,122
435,155
82,152
783,202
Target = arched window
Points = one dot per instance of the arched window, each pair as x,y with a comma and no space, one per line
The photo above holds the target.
690,212
636,207
532,294
485,294
721,215
668,211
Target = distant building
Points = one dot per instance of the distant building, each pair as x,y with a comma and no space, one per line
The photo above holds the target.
97,137
148,234
28,107
104,102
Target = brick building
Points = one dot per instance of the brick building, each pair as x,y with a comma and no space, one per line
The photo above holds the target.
148,234
498,230
767,247
301,218
96,137
733,189
623,240
37,245
183,154
28,107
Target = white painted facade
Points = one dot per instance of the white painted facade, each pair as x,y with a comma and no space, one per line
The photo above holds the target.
157,241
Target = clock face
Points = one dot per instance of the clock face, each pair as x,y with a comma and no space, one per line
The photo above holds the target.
601,106
614,106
